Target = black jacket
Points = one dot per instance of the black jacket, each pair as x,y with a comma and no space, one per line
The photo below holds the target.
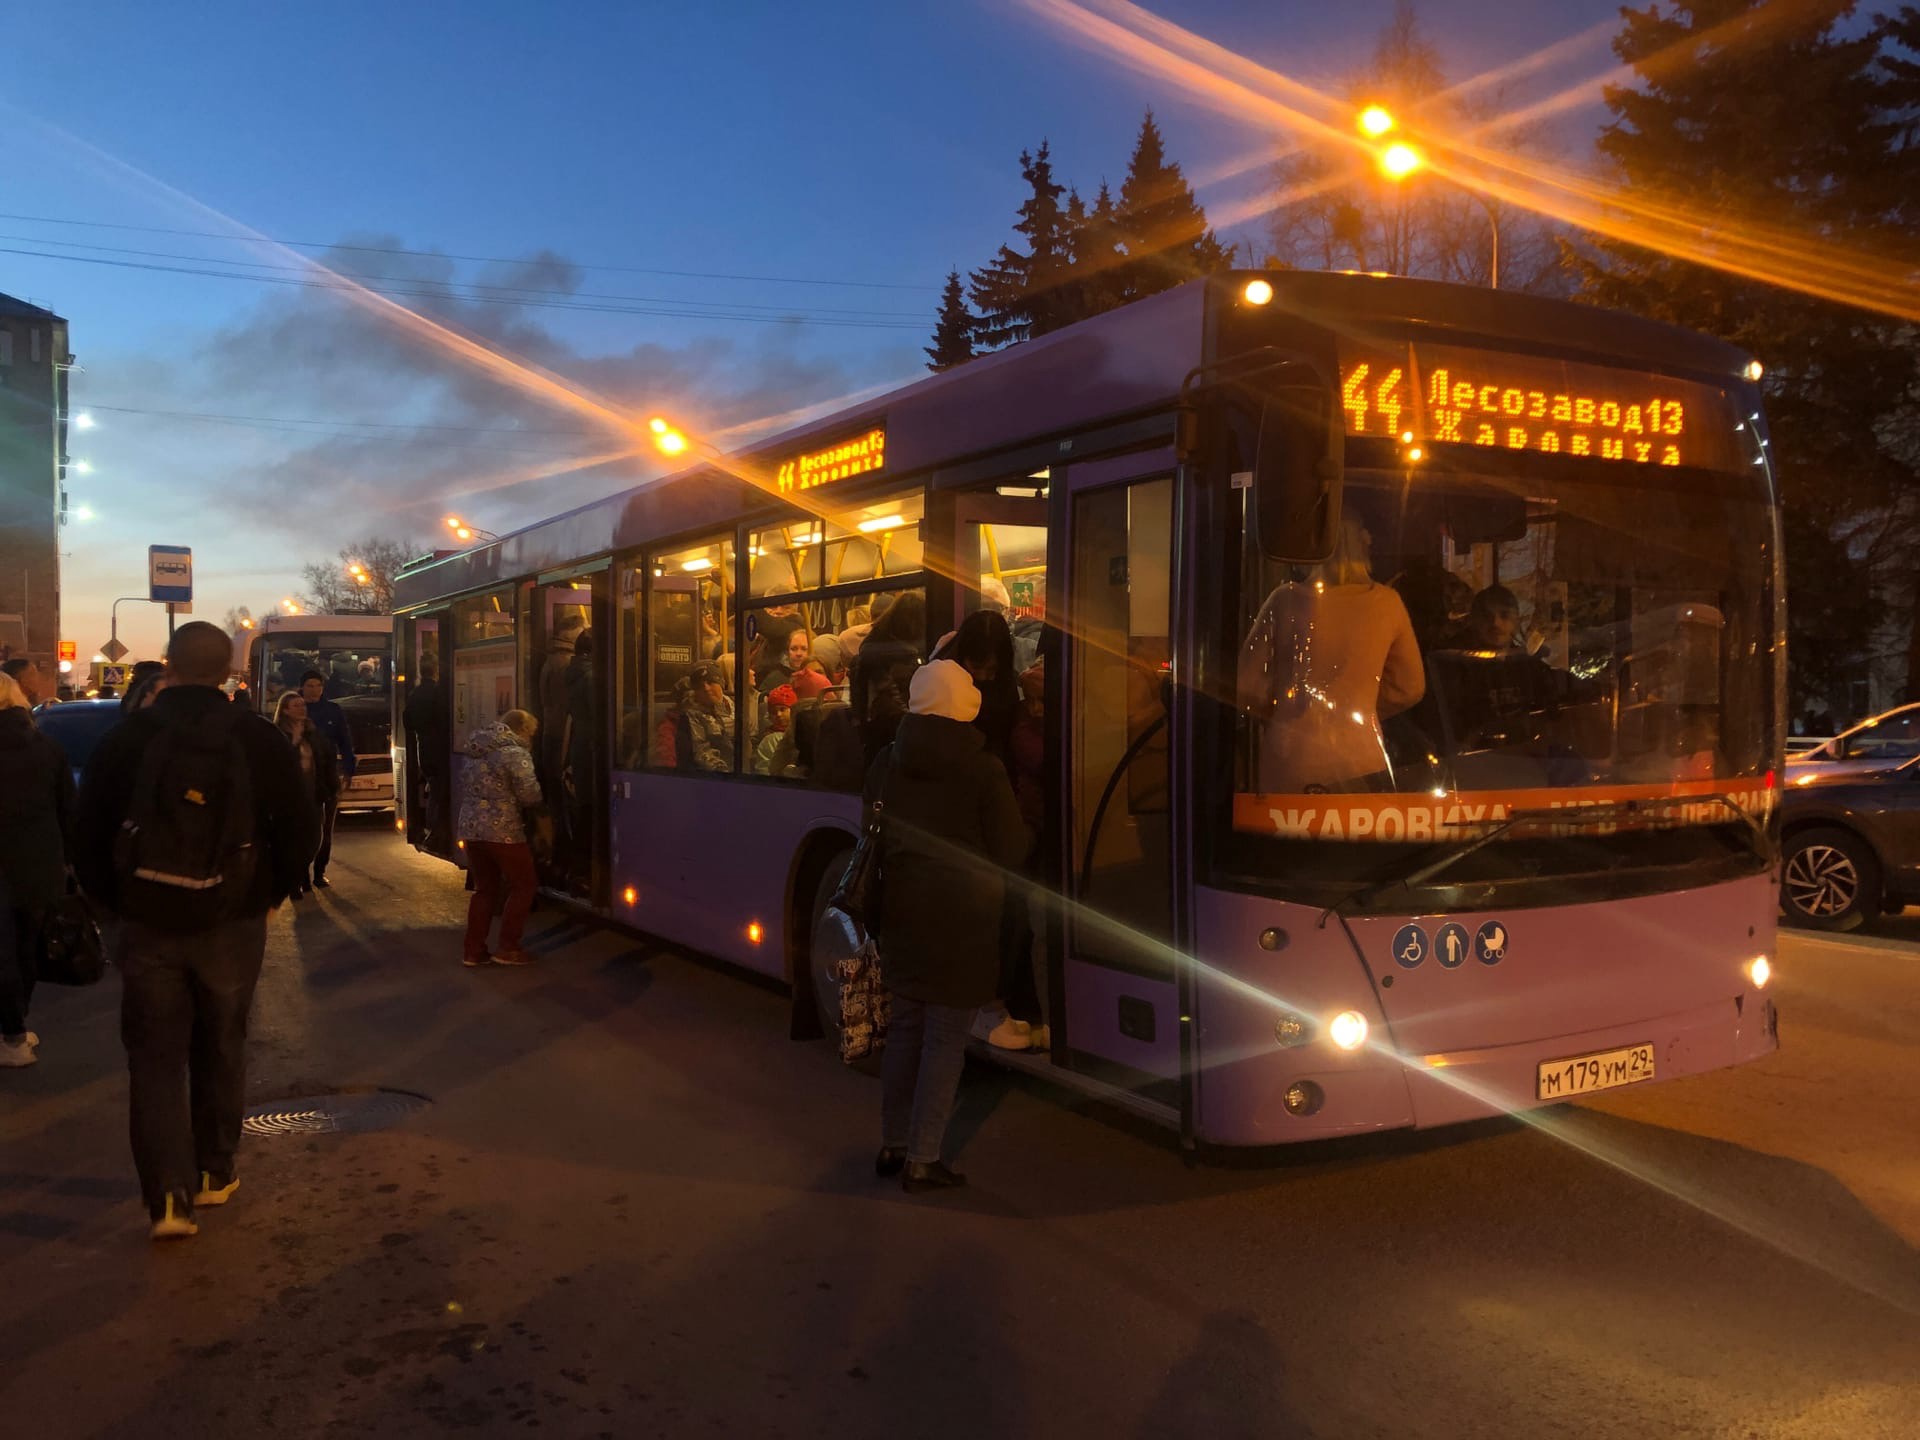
286,820
36,812
950,832
429,740
327,717
327,779
878,690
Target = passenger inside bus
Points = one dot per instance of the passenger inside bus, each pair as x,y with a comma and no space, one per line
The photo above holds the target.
703,720
774,737
884,669
1328,658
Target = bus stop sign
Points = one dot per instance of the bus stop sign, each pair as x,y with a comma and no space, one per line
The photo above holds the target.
169,574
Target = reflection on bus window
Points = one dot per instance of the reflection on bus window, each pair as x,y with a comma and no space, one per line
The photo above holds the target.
1520,643
1330,655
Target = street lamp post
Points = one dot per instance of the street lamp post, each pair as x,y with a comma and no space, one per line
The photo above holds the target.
113,622
463,531
1399,160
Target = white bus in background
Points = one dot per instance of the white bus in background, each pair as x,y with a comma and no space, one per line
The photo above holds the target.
355,655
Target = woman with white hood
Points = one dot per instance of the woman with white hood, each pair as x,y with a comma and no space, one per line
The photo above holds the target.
950,834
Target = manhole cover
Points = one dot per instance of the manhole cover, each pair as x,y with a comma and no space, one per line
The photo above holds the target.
347,1112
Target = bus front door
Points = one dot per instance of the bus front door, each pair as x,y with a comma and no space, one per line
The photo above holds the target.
1115,1002
568,695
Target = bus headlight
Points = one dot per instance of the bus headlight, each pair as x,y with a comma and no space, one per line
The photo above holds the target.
1759,971
1348,1029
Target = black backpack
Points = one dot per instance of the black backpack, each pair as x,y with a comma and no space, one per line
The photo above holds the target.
185,856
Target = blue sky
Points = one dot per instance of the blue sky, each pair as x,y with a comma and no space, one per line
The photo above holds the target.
870,143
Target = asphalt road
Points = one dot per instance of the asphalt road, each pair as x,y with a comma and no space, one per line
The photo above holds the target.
634,1208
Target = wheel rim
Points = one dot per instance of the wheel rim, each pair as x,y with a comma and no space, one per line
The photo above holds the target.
1822,881
835,938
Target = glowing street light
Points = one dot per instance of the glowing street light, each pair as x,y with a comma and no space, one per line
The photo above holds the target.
1399,160
290,606
83,421
1375,120
80,467
463,531
666,439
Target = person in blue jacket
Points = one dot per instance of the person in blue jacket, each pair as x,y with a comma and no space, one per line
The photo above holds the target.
331,721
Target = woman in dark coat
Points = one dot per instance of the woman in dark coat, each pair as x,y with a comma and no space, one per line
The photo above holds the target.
319,761
36,811
950,831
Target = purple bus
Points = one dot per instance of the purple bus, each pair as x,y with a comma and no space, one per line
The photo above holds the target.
1403,693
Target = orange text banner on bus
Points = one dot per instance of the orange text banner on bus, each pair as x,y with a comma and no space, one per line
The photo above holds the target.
842,460
1465,814
1449,395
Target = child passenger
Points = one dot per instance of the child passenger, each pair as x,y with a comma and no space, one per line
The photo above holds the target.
780,702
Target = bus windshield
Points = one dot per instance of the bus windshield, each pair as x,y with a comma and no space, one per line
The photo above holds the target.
352,664
1502,633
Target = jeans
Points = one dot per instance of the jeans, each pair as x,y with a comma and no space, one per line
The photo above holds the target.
19,937
497,867
184,1001
920,1075
329,812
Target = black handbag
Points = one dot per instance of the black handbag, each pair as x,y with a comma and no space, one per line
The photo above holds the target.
71,950
858,897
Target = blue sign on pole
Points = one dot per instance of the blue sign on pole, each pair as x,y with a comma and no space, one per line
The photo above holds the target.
170,574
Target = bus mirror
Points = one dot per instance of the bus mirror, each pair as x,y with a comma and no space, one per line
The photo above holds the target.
1297,473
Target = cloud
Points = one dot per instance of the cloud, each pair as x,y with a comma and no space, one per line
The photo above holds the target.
413,429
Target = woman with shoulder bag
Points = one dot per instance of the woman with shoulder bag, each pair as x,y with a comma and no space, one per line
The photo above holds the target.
36,812
319,761
951,833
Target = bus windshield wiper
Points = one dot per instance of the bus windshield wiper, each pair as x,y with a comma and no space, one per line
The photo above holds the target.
1584,817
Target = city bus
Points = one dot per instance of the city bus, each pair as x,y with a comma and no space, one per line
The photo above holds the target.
355,655
1410,679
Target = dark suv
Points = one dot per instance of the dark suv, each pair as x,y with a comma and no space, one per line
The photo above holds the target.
1852,846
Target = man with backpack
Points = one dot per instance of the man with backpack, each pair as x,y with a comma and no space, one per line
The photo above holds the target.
193,823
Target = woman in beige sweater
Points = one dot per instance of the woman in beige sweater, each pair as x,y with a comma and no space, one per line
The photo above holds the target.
1325,661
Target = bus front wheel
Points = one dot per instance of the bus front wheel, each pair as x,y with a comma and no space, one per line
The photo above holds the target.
833,937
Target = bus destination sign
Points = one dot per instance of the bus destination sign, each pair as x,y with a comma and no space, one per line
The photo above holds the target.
1447,395
840,461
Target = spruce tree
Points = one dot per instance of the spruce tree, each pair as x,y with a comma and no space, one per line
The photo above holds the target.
1785,118
1099,279
1161,226
1023,293
953,331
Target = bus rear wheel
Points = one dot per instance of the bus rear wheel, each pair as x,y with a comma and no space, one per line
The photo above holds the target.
832,937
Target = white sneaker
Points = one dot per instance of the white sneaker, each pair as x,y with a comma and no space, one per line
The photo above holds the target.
1010,1034
17,1054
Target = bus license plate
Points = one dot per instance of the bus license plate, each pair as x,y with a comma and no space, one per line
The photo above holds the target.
1584,1074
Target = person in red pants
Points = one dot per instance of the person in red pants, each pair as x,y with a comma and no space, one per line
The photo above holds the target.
501,800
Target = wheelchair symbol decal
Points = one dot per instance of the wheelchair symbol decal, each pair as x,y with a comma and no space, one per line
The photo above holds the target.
1490,945
1409,946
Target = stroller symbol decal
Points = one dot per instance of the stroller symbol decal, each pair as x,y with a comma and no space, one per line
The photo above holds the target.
1490,945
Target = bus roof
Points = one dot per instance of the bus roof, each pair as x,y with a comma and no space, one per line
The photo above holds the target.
1127,362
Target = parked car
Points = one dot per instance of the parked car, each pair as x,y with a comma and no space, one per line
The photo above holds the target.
76,727
1871,745
1851,845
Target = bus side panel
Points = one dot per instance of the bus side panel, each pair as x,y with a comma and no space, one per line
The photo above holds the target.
1241,992
709,860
